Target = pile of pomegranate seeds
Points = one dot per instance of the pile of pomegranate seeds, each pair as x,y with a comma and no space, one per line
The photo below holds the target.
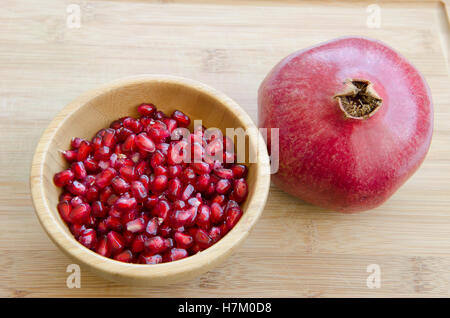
130,193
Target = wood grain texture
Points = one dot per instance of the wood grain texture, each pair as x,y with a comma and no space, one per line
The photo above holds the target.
295,249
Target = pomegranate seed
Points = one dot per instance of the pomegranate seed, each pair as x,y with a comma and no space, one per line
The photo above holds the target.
76,201
125,204
203,218
64,209
137,245
202,182
76,142
125,256
114,223
109,139
65,196
136,226
146,109
88,238
175,254
187,192
150,259
202,238
183,217
102,153
183,240
188,176
217,213
129,144
79,170
98,209
105,177
76,188
70,155
170,123
220,198
161,209
156,244
77,229
159,184
103,247
128,173
223,186
152,226
144,143
80,214
239,171
91,165
240,190
175,171
233,216
181,118
215,234
132,124
116,242
119,185
139,191
201,167
84,150
64,177
224,173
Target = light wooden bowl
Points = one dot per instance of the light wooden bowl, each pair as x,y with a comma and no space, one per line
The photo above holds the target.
97,109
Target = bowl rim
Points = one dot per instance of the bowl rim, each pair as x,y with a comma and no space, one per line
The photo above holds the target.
189,266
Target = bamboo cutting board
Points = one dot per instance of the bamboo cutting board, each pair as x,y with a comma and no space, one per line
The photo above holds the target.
296,249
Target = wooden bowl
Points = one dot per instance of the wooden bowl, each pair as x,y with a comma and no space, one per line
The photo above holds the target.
97,109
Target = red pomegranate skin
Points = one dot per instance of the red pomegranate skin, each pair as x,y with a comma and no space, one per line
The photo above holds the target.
333,161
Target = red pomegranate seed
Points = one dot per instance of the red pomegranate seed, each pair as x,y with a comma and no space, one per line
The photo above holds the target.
114,223
119,185
220,198
79,170
125,256
223,186
128,173
160,170
76,201
88,238
240,190
203,218
156,244
215,234
116,242
76,142
76,188
136,226
239,171
174,188
132,124
64,177
80,214
187,192
70,155
201,167
146,109
84,150
183,240
224,173
202,238
129,144
202,182
144,143
103,247
171,124
217,213
91,165
183,217
102,153
159,184
105,177
65,196
137,245
175,254
98,209
64,209
182,119
109,139
161,209
150,259
188,176
139,191
152,226
125,204
232,217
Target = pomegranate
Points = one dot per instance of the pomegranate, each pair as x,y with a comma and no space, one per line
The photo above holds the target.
355,122
129,195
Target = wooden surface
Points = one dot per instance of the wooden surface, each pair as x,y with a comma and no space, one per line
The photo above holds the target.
295,249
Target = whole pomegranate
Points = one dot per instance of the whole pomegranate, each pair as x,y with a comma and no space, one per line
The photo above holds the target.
355,122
